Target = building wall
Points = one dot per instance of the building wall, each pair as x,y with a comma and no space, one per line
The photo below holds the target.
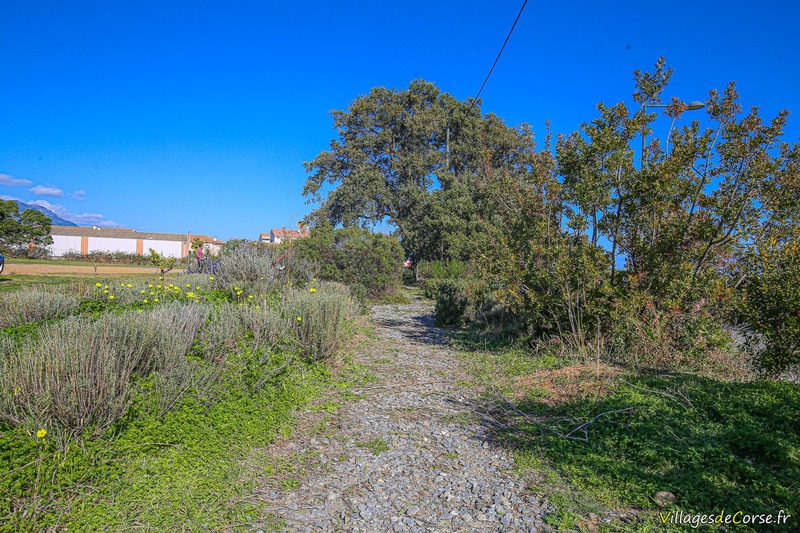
84,245
110,244
63,244
166,248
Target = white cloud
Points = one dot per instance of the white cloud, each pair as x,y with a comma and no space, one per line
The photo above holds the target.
79,194
47,190
11,181
83,219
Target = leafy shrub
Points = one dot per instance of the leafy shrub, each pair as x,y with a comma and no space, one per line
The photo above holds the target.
643,333
430,287
451,303
451,269
34,304
354,256
116,257
222,333
772,307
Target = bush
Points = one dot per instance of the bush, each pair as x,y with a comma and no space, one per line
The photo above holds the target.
77,375
354,256
97,256
34,304
442,269
319,318
451,304
430,287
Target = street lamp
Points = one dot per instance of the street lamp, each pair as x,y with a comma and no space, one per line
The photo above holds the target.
690,106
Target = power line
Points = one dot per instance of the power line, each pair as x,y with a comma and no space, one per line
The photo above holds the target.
498,55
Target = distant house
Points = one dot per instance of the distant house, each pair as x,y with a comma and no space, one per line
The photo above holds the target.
84,240
277,236
211,246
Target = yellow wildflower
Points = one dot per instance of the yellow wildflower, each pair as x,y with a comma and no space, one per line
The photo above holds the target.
110,296
145,301
188,285
211,278
312,290
42,433
150,285
98,284
141,291
155,300
299,319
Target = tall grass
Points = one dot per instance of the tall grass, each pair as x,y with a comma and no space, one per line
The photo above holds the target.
33,305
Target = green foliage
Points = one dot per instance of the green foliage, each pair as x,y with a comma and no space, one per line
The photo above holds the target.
413,158
76,377
772,306
22,230
450,269
182,470
354,256
376,446
116,257
731,446
153,392
451,303
163,263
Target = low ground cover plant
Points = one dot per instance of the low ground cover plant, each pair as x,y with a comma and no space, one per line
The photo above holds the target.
155,373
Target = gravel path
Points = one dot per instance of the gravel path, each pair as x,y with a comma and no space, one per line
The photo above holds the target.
408,454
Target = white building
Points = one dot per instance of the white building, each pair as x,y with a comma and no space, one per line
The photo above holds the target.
84,240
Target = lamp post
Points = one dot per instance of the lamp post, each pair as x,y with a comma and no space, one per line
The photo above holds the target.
690,106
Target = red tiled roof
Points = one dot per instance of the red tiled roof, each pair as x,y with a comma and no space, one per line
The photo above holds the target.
206,238
290,233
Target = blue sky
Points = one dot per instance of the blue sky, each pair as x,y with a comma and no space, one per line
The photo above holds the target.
197,116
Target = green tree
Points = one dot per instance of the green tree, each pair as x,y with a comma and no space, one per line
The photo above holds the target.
412,158
21,230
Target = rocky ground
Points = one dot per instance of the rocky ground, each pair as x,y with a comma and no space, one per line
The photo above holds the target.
407,453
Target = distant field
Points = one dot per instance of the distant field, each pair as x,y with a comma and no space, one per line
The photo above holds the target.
18,274
28,267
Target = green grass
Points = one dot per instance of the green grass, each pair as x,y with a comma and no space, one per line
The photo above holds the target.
733,446
376,446
717,445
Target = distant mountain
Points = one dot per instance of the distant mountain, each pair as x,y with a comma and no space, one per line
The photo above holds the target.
56,220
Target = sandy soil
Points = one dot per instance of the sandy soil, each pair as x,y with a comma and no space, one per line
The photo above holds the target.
55,269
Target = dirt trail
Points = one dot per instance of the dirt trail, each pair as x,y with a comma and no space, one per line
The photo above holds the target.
407,455
55,269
